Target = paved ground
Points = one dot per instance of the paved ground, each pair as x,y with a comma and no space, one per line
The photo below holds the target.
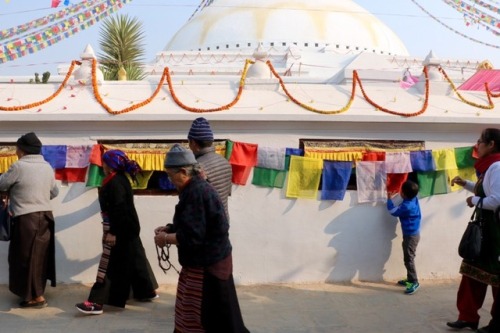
318,308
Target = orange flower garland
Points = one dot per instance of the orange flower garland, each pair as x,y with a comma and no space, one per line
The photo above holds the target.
488,94
48,99
166,76
307,107
98,97
381,108
221,108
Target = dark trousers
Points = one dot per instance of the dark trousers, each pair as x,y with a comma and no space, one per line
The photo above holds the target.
470,298
409,251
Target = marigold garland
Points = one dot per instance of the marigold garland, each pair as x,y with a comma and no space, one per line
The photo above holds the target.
308,107
381,108
48,99
488,93
220,108
98,97
166,76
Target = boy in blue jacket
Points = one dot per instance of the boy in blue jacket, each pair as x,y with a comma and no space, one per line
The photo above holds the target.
409,216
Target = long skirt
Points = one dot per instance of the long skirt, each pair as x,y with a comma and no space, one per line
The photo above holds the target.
32,255
205,303
122,268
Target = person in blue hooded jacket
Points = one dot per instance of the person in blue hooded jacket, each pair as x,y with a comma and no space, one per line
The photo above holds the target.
409,215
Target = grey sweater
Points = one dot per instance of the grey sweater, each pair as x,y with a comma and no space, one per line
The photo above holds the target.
31,185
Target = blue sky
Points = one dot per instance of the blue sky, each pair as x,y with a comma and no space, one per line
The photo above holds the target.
162,18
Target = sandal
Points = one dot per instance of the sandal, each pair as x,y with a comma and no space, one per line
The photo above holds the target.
33,304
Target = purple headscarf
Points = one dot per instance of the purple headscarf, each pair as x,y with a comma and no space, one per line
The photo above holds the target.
118,160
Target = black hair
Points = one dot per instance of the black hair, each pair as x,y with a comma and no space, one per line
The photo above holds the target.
491,134
409,189
203,144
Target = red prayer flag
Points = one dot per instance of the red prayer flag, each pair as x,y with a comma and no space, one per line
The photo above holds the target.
394,182
71,175
55,3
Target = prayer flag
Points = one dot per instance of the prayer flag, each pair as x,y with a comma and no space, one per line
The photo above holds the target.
72,175
55,156
96,176
444,159
394,182
268,177
78,156
336,175
432,183
371,180
304,177
271,158
422,160
398,162
463,157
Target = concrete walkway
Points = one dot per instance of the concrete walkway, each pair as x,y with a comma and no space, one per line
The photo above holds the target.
317,308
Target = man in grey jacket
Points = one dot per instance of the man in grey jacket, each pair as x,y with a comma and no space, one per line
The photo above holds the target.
31,185
216,168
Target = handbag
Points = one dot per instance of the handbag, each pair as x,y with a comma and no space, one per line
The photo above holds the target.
470,244
4,222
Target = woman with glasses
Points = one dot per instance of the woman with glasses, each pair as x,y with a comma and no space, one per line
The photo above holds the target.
478,274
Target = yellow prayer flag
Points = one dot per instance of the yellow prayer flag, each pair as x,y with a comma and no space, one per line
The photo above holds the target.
444,159
467,173
304,176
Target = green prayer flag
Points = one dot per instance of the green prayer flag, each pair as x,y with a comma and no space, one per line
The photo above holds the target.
463,157
432,183
229,149
268,177
95,176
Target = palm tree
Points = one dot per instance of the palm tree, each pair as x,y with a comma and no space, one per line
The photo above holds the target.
121,42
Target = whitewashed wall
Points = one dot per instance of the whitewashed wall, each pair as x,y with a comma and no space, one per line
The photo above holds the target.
275,239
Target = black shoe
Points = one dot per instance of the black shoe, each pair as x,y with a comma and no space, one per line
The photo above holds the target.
459,324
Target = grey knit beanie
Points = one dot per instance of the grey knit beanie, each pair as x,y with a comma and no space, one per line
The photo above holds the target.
179,156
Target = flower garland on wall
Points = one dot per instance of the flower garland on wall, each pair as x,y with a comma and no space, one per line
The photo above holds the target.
167,76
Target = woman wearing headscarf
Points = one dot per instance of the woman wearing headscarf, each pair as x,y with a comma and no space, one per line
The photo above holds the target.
206,299
123,265
477,275
31,185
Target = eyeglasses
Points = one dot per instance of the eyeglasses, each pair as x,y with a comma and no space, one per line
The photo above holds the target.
479,141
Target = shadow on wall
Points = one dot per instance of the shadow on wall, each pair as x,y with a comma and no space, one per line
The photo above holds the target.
362,239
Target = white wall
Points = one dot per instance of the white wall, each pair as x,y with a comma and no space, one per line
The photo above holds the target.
275,239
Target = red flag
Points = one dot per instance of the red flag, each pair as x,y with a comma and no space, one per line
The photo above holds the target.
55,3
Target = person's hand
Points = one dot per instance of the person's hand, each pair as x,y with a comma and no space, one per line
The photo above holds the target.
457,180
160,229
469,201
110,239
161,239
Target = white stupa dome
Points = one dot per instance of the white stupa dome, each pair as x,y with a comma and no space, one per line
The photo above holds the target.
338,25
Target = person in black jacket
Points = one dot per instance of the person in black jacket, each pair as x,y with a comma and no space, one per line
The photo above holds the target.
123,265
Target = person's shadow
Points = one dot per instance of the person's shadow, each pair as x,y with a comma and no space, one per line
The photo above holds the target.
362,239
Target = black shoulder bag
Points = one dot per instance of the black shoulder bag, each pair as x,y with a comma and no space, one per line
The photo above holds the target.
470,244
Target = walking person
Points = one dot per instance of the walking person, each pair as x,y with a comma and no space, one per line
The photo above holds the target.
31,184
123,265
216,168
206,299
477,275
